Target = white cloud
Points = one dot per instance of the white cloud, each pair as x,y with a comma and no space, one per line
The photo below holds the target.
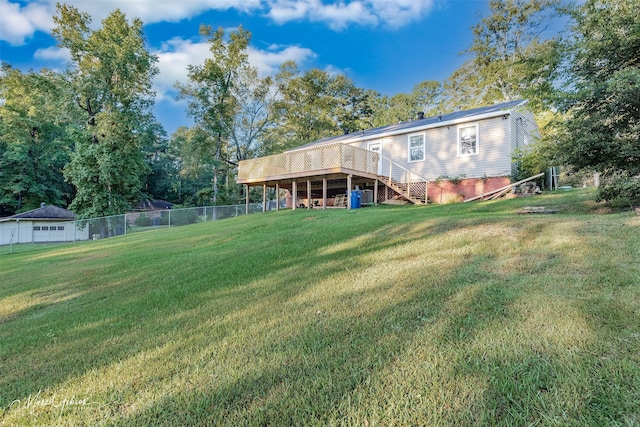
176,54
19,23
53,54
151,11
396,13
173,59
283,11
338,15
268,61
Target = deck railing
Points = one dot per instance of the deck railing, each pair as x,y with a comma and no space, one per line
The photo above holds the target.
411,184
328,158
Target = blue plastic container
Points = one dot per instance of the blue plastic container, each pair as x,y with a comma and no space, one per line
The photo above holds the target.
356,199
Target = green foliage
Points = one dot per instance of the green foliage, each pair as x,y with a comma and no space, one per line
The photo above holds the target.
455,180
602,127
314,105
111,79
254,100
35,139
620,187
187,170
536,158
108,174
183,217
210,94
143,221
426,97
510,57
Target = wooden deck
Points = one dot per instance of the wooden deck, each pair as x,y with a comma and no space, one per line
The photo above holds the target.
331,161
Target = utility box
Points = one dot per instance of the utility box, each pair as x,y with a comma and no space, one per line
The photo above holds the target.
367,197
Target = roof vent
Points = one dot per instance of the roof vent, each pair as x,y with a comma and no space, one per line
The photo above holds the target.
420,115
43,204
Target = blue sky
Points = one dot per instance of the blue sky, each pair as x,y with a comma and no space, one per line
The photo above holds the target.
384,45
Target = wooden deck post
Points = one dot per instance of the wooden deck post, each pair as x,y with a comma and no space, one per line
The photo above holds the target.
308,194
324,192
294,189
277,196
264,197
349,191
246,190
375,193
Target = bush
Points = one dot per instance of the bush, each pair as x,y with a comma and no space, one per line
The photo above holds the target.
620,187
184,217
143,221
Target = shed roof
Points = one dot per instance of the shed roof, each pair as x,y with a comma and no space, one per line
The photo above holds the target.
418,124
47,212
154,205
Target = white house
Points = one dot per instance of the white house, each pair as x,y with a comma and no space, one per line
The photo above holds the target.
48,223
436,159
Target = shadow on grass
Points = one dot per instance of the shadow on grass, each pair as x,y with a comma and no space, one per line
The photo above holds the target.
269,340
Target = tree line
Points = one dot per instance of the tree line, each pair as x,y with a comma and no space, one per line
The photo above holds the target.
86,138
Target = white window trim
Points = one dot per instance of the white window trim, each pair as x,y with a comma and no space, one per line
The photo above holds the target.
424,147
468,125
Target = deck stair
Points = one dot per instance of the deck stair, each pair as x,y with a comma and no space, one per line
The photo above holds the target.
409,191
408,184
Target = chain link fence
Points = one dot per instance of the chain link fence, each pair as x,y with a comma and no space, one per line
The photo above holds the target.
27,235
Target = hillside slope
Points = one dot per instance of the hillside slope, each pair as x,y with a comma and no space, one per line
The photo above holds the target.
456,314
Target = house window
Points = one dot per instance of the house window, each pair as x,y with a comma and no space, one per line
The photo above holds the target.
468,140
36,228
416,147
61,228
45,228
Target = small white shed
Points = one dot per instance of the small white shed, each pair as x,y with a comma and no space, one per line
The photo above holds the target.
48,223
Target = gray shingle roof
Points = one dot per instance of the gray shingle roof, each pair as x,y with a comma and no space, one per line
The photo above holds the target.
46,212
407,126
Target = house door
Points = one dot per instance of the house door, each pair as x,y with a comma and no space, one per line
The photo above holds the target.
376,147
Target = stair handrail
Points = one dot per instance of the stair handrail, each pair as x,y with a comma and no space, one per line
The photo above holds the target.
408,174
391,163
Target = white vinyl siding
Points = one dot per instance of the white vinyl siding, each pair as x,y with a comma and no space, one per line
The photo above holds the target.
441,153
495,138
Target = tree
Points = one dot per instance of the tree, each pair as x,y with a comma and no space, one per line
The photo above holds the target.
210,92
35,140
404,107
314,105
254,102
111,73
602,126
354,109
191,148
510,58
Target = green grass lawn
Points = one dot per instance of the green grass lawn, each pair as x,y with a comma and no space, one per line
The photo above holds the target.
464,314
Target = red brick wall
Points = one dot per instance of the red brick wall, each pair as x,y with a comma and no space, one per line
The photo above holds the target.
447,191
